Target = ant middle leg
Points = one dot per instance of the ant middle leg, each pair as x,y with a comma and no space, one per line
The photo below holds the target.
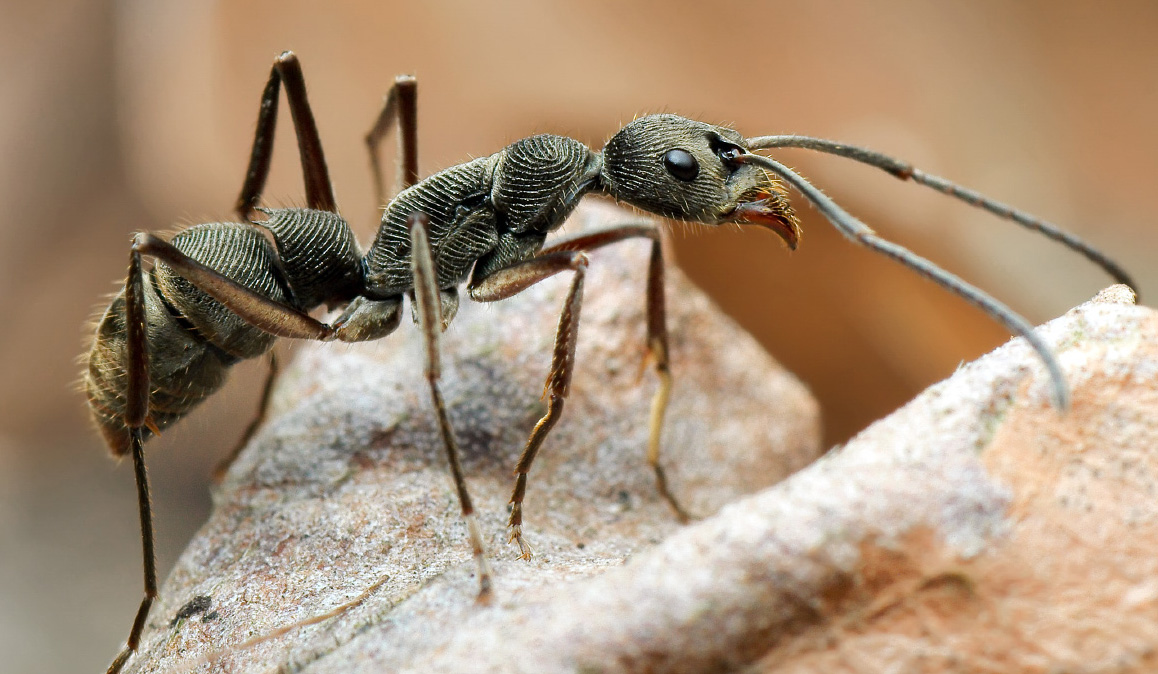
428,307
287,71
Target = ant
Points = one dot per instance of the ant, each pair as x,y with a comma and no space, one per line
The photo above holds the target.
222,292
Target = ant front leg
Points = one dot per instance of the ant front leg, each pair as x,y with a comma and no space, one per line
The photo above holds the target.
428,307
657,343
510,281
571,256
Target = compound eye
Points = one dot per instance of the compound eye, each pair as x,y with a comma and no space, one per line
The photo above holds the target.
681,164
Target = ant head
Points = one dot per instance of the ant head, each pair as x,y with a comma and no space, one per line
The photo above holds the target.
689,170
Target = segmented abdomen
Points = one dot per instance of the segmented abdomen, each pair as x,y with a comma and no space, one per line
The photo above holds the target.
192,338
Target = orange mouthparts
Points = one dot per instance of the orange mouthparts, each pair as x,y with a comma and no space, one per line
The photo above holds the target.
770,209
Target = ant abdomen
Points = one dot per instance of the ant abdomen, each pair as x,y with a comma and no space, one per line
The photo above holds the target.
184,369
192,338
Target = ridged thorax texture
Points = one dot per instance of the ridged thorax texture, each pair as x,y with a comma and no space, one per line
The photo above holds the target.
447,198
539,180
319,255
494,210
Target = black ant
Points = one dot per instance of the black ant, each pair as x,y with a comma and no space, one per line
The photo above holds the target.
222,292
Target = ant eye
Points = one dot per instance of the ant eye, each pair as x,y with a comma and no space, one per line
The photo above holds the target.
681,164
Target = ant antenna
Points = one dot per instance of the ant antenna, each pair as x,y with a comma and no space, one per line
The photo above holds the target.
906,171
862,234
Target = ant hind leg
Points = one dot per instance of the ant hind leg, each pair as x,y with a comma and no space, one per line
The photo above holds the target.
401,105
136,418
287,70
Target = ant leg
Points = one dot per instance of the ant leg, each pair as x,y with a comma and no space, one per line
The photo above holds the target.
657,343
256,309
363,319
511,281
136,417
262,409
429,310
319,192
906,171
401,104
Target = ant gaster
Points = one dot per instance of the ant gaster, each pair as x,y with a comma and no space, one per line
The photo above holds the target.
221,292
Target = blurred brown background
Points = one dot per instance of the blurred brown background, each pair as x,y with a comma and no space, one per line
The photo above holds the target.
138,114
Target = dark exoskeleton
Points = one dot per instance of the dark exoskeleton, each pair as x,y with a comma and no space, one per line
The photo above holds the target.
222,292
